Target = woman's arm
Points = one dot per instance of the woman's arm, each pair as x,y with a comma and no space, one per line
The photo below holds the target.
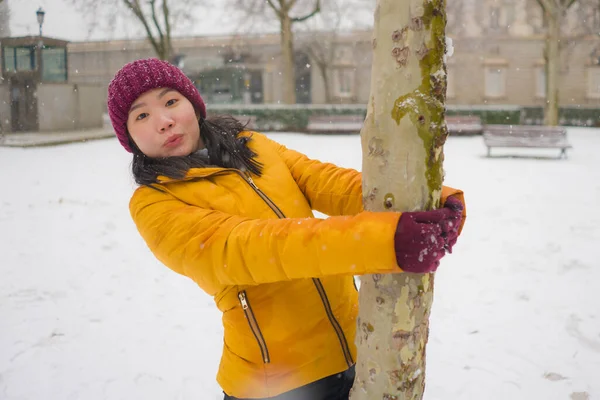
333,190
214,248
328,188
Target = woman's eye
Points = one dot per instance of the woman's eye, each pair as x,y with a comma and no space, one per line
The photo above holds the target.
141,116
171,102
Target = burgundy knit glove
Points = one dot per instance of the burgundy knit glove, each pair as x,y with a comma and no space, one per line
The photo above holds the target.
422,237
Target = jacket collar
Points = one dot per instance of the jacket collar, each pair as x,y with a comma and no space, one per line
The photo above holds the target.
197,173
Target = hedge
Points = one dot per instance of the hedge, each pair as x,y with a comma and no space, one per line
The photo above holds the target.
568,116
276,117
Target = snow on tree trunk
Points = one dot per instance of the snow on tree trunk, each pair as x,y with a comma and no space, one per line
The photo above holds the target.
402,142
287,50
552,66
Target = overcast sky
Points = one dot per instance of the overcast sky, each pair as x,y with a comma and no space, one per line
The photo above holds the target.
63,22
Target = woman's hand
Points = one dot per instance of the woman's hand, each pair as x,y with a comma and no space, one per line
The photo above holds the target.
423,237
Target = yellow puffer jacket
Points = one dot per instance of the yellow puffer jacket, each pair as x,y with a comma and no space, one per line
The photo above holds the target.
281,278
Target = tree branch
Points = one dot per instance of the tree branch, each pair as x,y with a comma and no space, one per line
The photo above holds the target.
572,40
547,5
165,8
274,7
569,4
291,4
158,28
134,6
541,5
313,13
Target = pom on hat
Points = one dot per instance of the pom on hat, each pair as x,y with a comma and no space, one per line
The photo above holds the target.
135,79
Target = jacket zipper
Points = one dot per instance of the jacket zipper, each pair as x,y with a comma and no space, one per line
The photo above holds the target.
334,322
254,326
262,195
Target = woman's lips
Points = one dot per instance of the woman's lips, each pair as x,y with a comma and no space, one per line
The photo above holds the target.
173,141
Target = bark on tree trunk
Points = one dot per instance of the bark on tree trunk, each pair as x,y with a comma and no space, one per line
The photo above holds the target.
161,52
168,53
326,84
402,142
552,67
287,50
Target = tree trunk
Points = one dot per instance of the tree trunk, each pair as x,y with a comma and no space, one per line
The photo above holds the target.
552,67
326,83
161,52
402,142
168,50
287,52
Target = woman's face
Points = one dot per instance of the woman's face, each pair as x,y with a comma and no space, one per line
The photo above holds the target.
163,123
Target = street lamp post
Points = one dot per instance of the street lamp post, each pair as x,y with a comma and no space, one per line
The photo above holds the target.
40,18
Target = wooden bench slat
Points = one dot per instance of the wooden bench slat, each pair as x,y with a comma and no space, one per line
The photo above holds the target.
526,136
526,139
336,118
464,127
464,124
325,126
548,145
335,123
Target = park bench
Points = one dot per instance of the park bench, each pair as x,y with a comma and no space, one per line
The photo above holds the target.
526,136
464,125
335,123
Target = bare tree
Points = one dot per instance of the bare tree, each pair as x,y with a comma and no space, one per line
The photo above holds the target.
584,21
321,48
156,17
287,13
402,142
160,36
555,14
321,39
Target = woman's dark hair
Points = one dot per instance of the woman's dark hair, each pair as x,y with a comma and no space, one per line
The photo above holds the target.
225,149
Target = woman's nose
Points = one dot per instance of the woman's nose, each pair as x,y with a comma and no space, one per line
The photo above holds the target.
165,123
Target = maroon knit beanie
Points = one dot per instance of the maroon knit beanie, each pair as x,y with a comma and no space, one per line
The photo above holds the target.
135,79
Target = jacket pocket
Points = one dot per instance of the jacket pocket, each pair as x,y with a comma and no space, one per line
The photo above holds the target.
245,303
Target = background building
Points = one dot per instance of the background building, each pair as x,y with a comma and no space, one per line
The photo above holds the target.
498,60
35,92
4,26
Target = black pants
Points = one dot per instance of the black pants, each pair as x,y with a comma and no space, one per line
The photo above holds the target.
334,387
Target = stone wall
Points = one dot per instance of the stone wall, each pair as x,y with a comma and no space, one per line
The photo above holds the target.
70,106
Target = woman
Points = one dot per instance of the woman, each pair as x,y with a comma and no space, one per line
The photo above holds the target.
232,210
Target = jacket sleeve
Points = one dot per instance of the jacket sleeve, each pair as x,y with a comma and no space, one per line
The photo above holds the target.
214,248
448,192
328,188
333,190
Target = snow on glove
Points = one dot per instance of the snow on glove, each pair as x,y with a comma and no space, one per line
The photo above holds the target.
451,225
422,237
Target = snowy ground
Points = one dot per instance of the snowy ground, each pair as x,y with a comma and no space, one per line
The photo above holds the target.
87,313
